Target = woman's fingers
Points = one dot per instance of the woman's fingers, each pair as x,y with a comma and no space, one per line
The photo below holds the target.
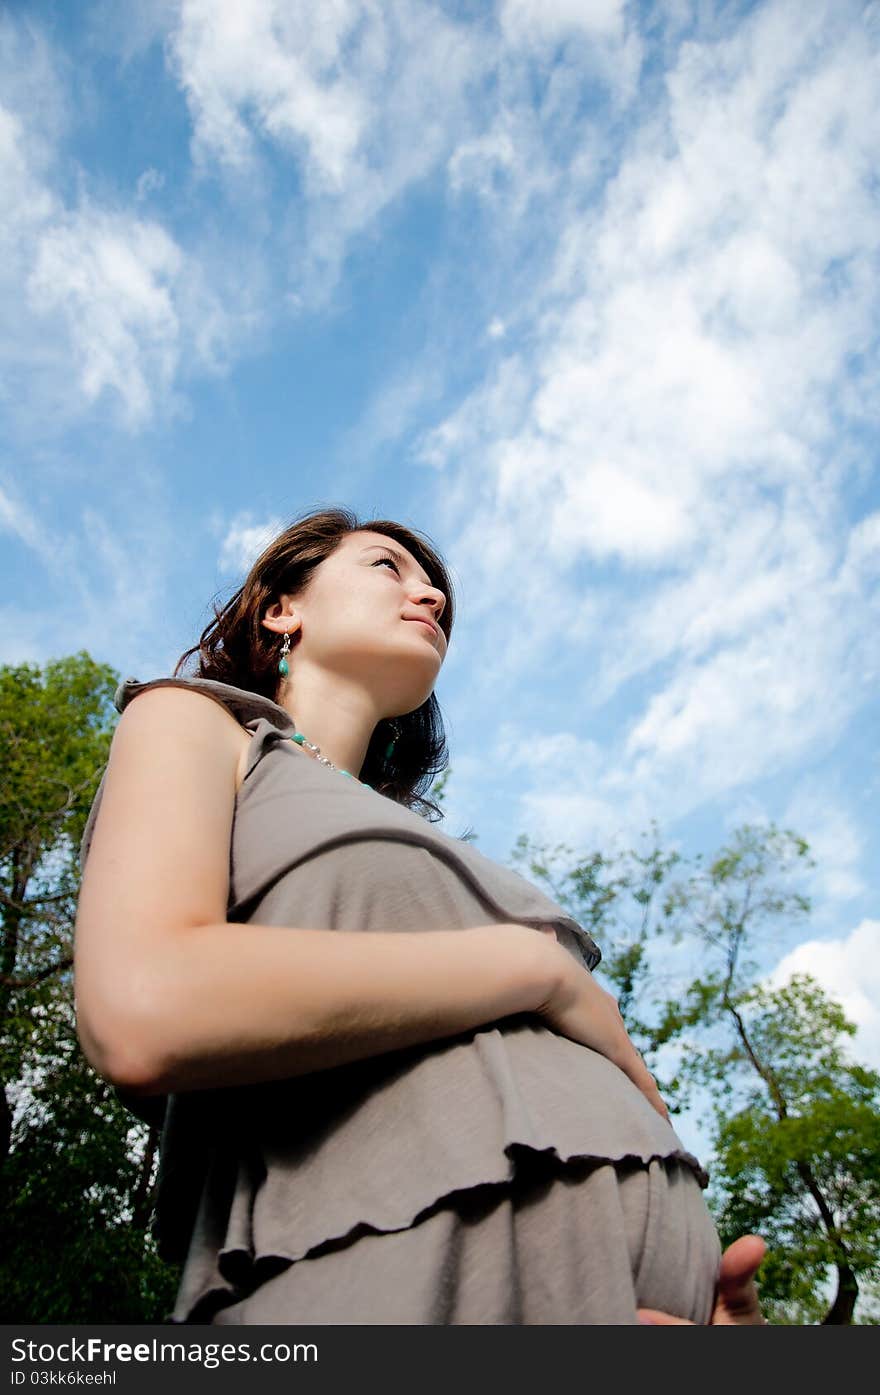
648,1086
634,1066
582,1009
736,1303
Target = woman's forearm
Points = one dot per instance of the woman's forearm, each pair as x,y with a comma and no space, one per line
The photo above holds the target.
232,1004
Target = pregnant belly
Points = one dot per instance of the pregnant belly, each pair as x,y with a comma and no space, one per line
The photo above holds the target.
455,1108
376,1143
555,1088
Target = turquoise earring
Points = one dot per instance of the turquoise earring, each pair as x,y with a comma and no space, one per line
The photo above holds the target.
283,666
393,742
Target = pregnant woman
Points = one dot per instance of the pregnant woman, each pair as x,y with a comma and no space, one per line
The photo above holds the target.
391,1089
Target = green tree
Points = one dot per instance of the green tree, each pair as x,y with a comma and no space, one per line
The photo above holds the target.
54,738
799,1160
76,1193
76,1171
796,1123
778,1074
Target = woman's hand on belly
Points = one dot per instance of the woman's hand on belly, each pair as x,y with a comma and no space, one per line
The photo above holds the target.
579,1008
737,1303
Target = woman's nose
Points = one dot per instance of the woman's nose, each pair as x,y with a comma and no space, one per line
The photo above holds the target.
433,597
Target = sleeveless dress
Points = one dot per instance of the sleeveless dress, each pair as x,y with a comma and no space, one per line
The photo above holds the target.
503,1175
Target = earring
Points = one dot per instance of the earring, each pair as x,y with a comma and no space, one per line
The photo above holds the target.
283,666
393,742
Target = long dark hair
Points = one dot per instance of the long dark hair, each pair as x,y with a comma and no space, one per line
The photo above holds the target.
236,648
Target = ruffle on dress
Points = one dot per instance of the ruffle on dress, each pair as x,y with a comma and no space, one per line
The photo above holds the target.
369,1148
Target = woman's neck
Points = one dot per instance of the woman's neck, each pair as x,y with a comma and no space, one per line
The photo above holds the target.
340,722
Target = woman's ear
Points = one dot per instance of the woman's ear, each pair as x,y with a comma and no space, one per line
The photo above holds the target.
281,618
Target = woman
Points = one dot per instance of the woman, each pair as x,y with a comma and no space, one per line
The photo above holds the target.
391,1089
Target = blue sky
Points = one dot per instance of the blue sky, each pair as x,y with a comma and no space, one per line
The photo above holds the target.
587,291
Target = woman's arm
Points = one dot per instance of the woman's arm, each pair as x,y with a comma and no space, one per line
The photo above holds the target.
170,996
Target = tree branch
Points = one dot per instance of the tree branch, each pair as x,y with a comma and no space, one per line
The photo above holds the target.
57,968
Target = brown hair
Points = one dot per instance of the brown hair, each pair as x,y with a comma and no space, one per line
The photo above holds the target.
236,648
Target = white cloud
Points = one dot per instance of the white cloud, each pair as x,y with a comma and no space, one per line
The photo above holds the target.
477,164
580,818
149,182
244,540
553,20
598,42
17,518
467,432
754,705
848,969
558,752
507,165
862,562
273,69
341,89
368,100
100,304
670,436
109,279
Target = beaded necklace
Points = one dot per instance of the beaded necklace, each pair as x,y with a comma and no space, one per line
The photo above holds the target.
302,741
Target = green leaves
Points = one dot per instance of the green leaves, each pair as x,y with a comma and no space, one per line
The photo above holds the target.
69,1249
55,725
55,730
75,1173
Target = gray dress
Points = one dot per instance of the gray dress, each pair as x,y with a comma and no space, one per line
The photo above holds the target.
503,1175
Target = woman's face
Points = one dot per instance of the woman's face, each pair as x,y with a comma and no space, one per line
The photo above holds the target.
360,618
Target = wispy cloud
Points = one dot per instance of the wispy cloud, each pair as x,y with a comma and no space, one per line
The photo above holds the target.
549,21
108,280
683,416
101,305
83,588
274,90
17,518
339,91
149,182
244,540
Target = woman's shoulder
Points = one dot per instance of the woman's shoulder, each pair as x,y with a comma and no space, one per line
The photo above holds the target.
186,723
174,709
241,703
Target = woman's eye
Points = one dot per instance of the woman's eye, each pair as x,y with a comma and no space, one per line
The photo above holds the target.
391,562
